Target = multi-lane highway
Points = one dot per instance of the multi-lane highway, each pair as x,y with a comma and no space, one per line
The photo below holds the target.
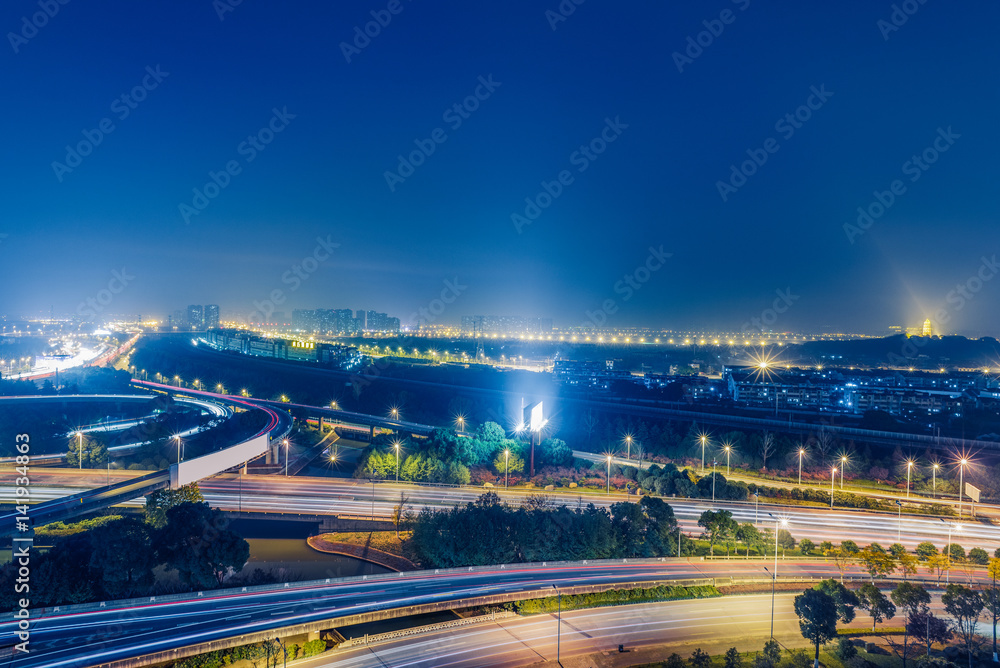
340,496
93,635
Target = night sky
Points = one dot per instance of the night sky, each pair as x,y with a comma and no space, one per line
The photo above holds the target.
884,96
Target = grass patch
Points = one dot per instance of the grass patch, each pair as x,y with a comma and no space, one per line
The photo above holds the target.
613,597
385,541
881,630
60,529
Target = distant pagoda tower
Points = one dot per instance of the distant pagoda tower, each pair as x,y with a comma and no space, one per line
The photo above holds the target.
928,329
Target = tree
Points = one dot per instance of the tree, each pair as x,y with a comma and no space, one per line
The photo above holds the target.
965,607
162,500
850,547
700,659
910,597
878,605
401,513
748,534
785,540
718,525
766,447
845,599
926,549
842,559
926,627
196,544
122,552
817,613
806,546
510,463
772,651
955,552
979,556
877,562
95,453
940,563
733,658
907,564
675,660
897,550
991,599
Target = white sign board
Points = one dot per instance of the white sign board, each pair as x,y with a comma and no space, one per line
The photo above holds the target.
972,492
208,465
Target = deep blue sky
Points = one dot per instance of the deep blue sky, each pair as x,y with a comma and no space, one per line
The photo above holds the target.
655,185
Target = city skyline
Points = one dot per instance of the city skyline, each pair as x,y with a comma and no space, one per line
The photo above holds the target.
678,176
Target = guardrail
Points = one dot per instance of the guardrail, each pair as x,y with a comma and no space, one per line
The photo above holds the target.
429,628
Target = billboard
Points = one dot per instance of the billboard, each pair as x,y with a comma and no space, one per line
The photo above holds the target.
532,416
972,492
208,465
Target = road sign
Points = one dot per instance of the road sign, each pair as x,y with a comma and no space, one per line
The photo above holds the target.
972,492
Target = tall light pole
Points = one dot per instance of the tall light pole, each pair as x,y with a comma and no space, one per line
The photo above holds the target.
729,450
396,446
506,468
947,550
756,501
558,626
177,439
703,439
833,478
109,471
909,468
461,423
961,483
774,576
713,481
899,520
628,446
285,443
802,451
79,455
843,460
934,477
609,474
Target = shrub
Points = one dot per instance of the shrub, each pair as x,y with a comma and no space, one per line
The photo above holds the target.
313,647
846,649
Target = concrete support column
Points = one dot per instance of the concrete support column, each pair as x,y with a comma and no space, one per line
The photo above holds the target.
321,424
313,635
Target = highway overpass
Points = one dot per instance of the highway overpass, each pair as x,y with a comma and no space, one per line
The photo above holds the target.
171,627
66,508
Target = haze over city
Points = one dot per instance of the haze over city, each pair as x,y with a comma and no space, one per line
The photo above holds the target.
676,124
471,335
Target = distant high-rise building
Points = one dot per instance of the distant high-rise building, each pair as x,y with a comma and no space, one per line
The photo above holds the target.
211,316
928,329
195,316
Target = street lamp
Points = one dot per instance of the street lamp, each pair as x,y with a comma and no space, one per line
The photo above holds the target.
609,474
221,388
396,446
756,501
778,524
934,478
961,483
833,477
506,468
802,451
909,468
177,438
728,448
558,625
958,529
713,481
899,520
843,460
284,652
285,443
628,446
703,439
461,422
109,471
79,456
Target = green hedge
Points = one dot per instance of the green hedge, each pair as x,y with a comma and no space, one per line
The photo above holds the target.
867,632
313,647
614,597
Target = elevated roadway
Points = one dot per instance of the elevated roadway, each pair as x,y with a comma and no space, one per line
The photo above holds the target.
171,627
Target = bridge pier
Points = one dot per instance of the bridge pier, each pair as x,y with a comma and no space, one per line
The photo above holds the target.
320,424
371,433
